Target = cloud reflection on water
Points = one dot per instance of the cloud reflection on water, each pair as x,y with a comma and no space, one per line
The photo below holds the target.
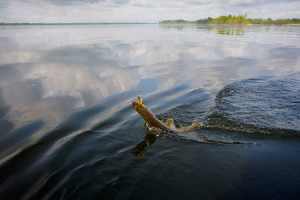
57,87
48,77
65,93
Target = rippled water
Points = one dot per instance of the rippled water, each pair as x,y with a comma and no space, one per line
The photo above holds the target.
68,129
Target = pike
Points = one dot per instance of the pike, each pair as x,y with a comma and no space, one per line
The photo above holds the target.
152,121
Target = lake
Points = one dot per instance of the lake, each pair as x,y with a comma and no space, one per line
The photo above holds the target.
68,129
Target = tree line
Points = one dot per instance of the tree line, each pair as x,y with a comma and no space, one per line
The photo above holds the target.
232,19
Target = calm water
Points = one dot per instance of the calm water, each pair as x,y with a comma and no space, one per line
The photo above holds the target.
68,130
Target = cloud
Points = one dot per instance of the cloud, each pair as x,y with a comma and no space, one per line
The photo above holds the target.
202,2
80,2
3,5
255,2
57,11
120,1
73,2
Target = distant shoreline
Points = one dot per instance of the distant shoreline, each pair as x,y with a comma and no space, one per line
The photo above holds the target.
53,24
221,20
236,20
230,24
86,24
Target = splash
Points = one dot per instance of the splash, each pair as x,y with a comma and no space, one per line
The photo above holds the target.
269,106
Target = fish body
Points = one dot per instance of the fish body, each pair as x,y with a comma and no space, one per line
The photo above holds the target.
152,121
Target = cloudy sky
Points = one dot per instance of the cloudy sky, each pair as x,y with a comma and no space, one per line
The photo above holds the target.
55,11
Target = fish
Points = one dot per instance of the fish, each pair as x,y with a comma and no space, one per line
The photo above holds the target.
152,121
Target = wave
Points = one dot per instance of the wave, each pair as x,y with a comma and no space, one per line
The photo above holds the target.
269,106
253,106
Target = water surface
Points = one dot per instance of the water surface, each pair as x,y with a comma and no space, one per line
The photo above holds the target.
68,130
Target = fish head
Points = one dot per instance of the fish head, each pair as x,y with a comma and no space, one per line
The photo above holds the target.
142,109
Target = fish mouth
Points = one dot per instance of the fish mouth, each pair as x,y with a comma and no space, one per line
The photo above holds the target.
138,104
135,104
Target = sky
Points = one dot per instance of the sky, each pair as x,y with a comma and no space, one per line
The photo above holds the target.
82,11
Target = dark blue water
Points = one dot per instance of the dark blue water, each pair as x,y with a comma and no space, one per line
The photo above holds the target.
68,129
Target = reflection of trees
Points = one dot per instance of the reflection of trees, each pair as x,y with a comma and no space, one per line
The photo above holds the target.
218,29
177,26
141,147
232,30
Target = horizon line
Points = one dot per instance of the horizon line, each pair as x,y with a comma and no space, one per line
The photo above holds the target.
70,23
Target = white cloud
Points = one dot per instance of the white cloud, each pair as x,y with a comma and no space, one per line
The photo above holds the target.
57,11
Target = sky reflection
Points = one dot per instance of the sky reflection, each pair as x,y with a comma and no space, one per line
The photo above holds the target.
48,72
